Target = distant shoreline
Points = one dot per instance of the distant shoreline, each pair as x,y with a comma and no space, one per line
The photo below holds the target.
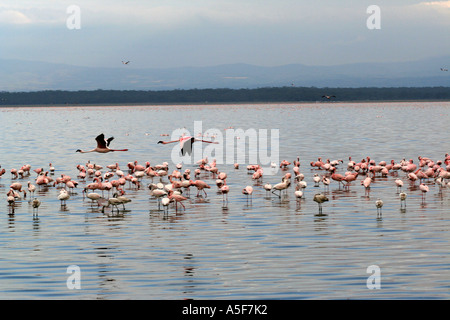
212,103
224,96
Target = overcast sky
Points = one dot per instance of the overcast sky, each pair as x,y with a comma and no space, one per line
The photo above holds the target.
173,33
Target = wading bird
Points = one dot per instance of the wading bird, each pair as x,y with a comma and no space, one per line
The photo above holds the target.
379,205
102,145
320,198
35,203
402,196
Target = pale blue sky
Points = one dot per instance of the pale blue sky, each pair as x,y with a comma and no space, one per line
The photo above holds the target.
171,33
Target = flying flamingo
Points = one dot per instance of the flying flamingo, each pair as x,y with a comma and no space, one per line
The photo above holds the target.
186,143
102,145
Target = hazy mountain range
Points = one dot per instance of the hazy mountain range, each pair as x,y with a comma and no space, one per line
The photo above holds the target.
17,75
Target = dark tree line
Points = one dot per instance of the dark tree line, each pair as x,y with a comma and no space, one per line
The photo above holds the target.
273,94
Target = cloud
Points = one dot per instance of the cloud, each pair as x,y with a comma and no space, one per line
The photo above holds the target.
437,4
13,17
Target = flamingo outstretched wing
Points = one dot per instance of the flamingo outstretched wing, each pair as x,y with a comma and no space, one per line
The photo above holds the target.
102,142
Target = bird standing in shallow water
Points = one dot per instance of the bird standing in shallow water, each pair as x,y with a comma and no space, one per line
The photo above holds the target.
320,198
35,203
402,196
63,197
424,188
379,205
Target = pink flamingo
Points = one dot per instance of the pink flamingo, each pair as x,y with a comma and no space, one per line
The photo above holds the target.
177,198
349,178
225,189
102,145
186,143
17,186
366,183
337,177
399,184
248,191
200,185
424,188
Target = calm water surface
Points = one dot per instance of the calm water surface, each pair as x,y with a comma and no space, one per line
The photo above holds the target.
267,248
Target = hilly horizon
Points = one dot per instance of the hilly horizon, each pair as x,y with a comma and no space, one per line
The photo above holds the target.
21,75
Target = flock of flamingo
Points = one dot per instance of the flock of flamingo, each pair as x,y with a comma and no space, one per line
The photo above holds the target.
113,181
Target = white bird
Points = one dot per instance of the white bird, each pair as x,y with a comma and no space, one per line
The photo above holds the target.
379,205
316,179
298,194
280,187
165,202
402,196
63,196
94,197
268,187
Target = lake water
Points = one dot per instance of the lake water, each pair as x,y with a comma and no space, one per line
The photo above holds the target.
266,248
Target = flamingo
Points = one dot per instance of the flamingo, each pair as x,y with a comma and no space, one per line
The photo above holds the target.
200,185
93,196
328,97
399,183
379,205
316,179
102,145
320,198
402,196
267,187
225,189
337,177
366,183
424,188
326,182
35,203
280,187
248,191
31,188
17,186
298,193
178,198
63,197
186,143
165,202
